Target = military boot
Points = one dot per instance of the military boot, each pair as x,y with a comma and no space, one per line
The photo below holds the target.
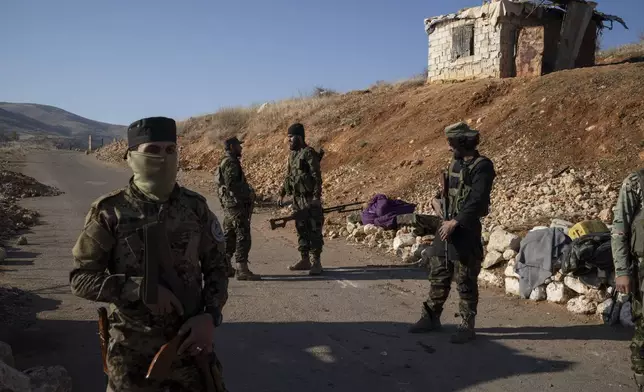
316,269
429,322
639,381
303,265
465,331
244,273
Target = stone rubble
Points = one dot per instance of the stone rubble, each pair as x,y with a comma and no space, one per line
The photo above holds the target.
36,379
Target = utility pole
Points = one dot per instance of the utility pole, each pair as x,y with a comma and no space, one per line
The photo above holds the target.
89,144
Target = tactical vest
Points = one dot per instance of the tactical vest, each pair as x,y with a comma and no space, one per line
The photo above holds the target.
637,227
226,197
300,180
458,194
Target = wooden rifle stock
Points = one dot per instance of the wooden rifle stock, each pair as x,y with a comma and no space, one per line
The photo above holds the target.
103,334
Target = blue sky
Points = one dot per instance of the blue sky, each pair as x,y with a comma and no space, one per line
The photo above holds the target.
120,60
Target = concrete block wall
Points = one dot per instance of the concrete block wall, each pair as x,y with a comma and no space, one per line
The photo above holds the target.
485,62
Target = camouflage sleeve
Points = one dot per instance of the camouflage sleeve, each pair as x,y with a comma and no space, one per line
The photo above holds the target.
233,180
89,277
625,209
313,161
213,263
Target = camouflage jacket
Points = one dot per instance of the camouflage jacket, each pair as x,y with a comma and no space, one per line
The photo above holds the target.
303,174
233,189
629,204
109,258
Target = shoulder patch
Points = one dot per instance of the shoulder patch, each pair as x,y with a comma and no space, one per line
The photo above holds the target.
107,196
215,229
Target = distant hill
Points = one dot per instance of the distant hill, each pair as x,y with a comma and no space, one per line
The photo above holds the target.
34,120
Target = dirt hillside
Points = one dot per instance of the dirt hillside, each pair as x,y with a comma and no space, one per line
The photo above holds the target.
584,124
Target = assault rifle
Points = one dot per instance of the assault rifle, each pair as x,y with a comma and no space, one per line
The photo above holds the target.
103,334
445,203
281,222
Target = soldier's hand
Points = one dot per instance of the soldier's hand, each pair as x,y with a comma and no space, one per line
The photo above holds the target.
447,228
201,337
623,284
166,303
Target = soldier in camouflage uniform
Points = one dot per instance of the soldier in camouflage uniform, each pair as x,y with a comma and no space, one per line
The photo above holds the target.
470,184
627,242
304,182
237,198
111,266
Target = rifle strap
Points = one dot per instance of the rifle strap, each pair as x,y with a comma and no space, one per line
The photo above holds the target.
151,277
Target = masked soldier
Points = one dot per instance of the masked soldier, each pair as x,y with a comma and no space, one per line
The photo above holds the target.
304,182
470,184
237,199
155,252
627,243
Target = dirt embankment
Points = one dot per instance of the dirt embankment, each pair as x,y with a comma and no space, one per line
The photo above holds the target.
586,125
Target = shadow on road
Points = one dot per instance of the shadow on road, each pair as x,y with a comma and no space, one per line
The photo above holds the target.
369,356
355,273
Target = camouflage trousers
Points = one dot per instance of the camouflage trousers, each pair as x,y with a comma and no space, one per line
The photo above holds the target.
637,343
441,274
308,223
237,233
127,367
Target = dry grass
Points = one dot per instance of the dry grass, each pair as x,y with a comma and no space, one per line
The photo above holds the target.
627,52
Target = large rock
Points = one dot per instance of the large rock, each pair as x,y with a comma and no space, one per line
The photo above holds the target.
12,380
581,305
49,379
490,278
509,271
558,293
404,240
22,240
539,293
606,215
501,240
512,286
370,229
576,285
492,258
509,255
6,354
350,227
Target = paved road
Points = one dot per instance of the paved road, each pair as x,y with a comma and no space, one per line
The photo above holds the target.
344,331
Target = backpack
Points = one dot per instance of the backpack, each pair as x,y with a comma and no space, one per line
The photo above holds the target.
588,253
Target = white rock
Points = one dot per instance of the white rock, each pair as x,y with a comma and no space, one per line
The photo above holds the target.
558,293
22,240
558,277
625,315
485,237
3,254
509,255
606,215
403,253
350,227
491,279
539,293
512,286
49,379
6,354
581,305
576,285
501,240
492,258
370,229
404,240
509,271
13,380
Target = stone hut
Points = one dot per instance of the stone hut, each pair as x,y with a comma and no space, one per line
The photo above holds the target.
507,38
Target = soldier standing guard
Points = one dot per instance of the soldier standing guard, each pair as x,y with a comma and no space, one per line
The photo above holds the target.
237,198
304,182
627,243
470,184
180,291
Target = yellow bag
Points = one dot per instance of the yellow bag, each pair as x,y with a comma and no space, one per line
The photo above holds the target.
587,227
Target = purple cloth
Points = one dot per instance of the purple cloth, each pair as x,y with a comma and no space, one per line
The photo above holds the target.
382,211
